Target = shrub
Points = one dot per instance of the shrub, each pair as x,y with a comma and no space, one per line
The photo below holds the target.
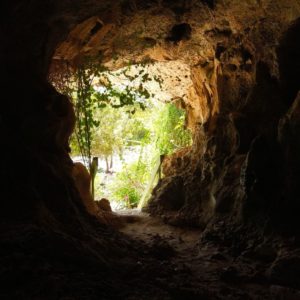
130,183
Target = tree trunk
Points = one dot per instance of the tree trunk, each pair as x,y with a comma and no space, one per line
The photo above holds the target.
111,162
107,164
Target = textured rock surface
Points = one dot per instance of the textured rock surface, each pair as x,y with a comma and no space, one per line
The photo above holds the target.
82,180
242,172
243,70
104,204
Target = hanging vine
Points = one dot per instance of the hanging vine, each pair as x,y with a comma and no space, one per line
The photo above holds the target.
89,86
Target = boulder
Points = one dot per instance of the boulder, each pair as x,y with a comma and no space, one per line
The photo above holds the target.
82,180
104,204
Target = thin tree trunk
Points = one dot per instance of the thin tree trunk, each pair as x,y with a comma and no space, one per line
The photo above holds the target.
93,172
107,164
111,161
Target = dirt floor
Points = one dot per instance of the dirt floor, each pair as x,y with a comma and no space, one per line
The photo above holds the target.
181,243
200,270
147,260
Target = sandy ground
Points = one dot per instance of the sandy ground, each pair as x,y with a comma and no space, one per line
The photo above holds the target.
203,270
147,260
149,229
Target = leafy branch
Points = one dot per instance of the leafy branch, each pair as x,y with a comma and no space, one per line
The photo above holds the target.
89,86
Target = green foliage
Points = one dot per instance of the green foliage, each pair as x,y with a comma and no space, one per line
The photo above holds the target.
117,130
170,131
162,128
79,84
129,184
112,118
88,100
127,195
108,136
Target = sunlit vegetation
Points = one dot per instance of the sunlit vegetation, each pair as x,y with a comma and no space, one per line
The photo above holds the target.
138,141
121,123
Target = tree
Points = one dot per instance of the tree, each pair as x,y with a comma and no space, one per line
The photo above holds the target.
170,130
156,131
79,84
108,138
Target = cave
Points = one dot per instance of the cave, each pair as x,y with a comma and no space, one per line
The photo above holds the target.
226,211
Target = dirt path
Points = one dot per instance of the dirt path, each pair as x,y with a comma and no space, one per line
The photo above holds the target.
199,267
150,229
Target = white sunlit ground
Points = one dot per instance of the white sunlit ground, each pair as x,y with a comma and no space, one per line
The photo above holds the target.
103,179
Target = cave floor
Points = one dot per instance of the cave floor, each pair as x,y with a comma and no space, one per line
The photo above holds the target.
146,260
197,270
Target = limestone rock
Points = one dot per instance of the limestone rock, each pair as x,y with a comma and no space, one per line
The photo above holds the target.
82,180
104,204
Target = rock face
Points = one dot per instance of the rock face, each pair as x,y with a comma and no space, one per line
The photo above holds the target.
244,71
104,204
82,180
244,77
285,270
242,172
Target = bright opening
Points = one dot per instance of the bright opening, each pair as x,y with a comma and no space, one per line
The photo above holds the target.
128,122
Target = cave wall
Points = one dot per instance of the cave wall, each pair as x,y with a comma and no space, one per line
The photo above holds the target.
240,107
238,167
36,121
243,108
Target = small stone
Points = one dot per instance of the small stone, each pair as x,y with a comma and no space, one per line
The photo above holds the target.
104,204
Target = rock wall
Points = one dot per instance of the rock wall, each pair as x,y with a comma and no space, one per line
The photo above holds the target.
244,65
243,166
238,166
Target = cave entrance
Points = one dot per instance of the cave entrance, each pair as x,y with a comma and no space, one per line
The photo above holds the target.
128,121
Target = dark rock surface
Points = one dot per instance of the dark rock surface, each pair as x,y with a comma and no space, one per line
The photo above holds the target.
240,183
